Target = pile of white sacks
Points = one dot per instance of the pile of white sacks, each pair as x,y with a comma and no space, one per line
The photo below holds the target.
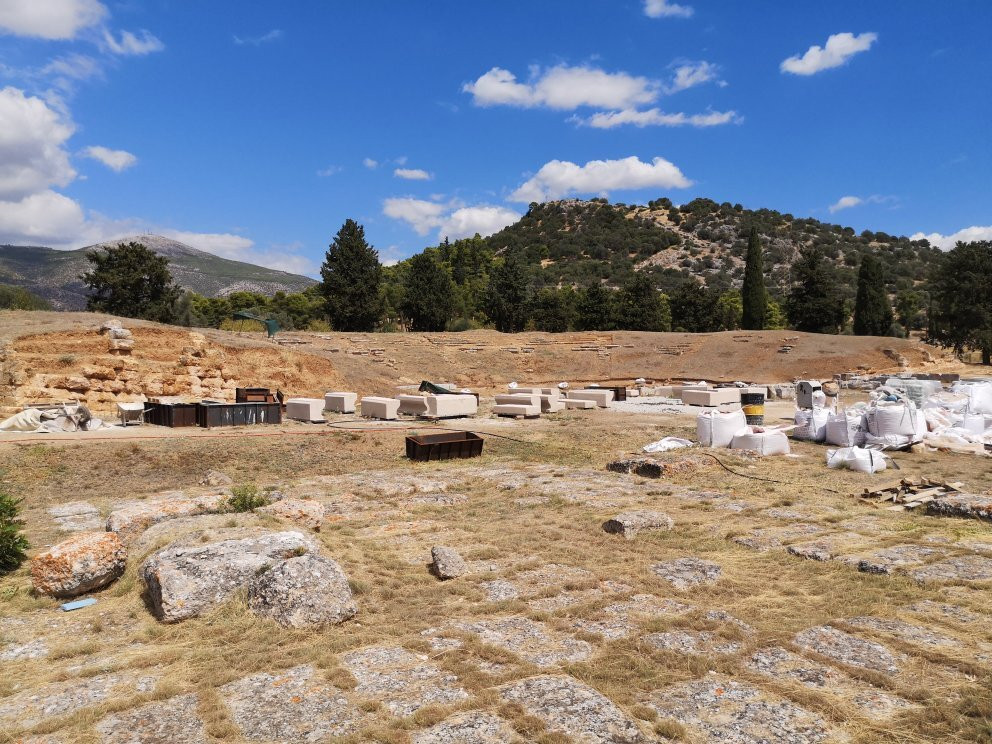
730,429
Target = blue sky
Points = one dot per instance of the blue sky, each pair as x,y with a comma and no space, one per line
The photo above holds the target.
253,130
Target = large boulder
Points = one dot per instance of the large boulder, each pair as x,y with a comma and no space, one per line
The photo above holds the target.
216,478
446,563
132,518
185,580
84,562
303,592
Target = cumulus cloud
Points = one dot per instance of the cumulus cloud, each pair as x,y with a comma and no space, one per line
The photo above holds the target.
412,174
657,118
132,45
50,19
116,160
564,88
559,178
837,51
452,220
966,235
44,218
273,35
666,9
32,146
484,220
845,202
690,74
370,163
420,214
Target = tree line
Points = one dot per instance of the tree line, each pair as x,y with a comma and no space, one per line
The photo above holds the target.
466,284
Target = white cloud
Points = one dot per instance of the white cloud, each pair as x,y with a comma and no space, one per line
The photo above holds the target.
131,45
329,171
116,160
563,88
32,146
273,35
691,74
845,202
656,118
50,19
73,67
44,218
666,9
559,178
838,50
452,220
967,235
484,220
420,214
370,163
412,174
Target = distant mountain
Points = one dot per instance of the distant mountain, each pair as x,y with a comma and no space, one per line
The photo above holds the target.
54,274
576,242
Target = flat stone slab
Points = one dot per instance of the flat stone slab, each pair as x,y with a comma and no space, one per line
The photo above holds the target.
779,663
848,649
721,710
35,649
692,642
132,518
894,559
31,707
575,709
683,573
964,567
904,631
828,547
528,639
77,516
630,523
186,580
500,590
769,538
403,681
166,722
618,620
966,505
391,484
294,705
954,613
304,512
467,728
564,600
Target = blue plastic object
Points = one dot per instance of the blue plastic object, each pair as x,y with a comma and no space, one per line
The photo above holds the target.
78,604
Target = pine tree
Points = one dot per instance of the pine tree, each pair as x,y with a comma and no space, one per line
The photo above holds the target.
960,314
815,304
595,309
872,310
429,296
352,281
131,281
506,296
641,307
753,297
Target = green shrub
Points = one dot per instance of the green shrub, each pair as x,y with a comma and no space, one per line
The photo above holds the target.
245,498
13,545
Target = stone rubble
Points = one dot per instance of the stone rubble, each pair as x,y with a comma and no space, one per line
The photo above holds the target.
83,563
303,592
894,559
133,517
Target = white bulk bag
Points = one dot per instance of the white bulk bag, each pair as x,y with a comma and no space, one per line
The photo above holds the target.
857,459
846,429
811,424
974,422
762,441
898,418
717,428
979,395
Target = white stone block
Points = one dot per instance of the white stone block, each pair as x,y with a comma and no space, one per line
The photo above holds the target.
514,409
451,406
415,405
305,409
716,397
601,398
340,402
380,408
519,399
581,404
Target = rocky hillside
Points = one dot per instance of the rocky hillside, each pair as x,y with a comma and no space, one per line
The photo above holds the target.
577,242
54,274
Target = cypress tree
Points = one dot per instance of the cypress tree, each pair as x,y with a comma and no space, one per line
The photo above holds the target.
352,281
429,296
506,296
872,311
755,302
815,304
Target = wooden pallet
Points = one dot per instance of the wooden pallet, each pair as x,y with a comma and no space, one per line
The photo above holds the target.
909,494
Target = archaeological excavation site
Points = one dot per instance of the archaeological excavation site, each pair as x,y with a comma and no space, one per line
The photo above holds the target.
618,537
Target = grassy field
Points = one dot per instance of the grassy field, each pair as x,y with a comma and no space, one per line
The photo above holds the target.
528,514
